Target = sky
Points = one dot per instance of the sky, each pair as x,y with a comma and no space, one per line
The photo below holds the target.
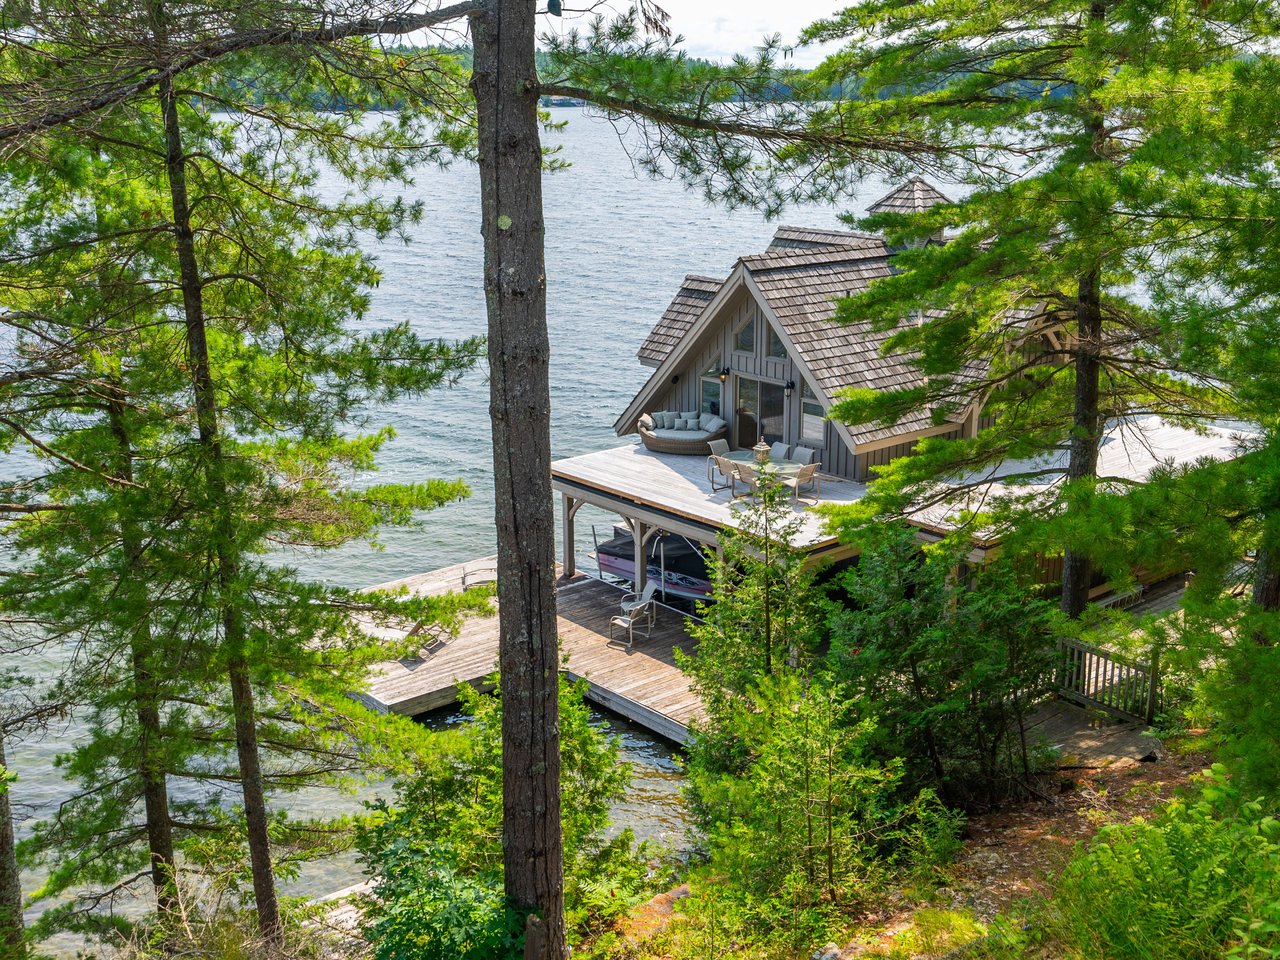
716,29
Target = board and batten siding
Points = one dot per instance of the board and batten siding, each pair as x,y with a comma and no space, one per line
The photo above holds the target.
718,345
866,463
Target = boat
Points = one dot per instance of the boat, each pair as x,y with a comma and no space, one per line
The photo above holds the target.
675,563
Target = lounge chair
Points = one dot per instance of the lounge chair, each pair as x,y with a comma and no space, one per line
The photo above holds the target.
803,455
724,469
806,477
779,451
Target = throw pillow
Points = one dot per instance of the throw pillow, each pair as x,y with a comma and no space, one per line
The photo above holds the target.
667,418
682,423
714,425
691,415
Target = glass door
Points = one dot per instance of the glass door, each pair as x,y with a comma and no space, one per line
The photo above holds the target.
761,411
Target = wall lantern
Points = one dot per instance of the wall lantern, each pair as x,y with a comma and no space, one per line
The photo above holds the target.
675,378
789,388
724,374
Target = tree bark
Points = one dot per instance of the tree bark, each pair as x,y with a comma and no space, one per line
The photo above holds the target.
228,561
1086,430
12,940
146,695
1266,580
504,80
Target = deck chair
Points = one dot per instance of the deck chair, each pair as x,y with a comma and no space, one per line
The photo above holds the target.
638,621
779,451
745,474
803,455
632,602
723,471
719,448
807,477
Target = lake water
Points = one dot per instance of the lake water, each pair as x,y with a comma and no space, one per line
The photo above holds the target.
618,245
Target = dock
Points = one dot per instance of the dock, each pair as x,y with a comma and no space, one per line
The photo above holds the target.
642,684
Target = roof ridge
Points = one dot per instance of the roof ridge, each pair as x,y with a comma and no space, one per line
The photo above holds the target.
828,253
852,234
913,196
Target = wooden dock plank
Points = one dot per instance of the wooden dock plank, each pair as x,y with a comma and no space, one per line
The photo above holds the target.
643,684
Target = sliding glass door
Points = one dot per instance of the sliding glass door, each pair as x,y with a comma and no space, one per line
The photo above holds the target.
761,411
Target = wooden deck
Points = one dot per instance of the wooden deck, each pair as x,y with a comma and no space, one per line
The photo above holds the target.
643,684
672,491
1087,738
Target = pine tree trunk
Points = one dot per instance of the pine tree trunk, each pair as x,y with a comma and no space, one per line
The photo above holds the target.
228,560
12,941
505,84
1266,580
146,694
1086,431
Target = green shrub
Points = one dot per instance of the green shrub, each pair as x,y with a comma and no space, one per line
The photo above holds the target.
436,854
950,666
1202,880
807,828
428,910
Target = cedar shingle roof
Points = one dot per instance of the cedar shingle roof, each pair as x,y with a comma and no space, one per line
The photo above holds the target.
806,237
915,195
800,276
801,286
694,294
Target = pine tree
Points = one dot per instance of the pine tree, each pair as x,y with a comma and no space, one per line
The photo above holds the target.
1029,308
201,248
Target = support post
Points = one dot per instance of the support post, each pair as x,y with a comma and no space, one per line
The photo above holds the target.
639,532
569,506
1153,685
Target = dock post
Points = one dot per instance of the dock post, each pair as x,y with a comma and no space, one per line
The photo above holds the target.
569,507
642,568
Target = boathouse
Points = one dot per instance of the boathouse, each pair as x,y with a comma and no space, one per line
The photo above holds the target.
757,353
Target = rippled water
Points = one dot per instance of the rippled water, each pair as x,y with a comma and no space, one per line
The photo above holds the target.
618,246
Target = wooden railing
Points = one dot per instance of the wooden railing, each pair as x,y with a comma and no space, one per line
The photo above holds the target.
1096,678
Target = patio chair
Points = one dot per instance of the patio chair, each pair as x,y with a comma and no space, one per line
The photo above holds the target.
803,455
723,469
806,477
637,621
719,448
779,451
631,602
745,474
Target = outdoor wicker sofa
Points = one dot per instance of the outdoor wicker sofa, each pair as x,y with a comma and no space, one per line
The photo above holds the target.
682,440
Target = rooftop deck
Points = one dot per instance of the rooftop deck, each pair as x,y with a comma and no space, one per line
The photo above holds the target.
1130,451
642,684
672,492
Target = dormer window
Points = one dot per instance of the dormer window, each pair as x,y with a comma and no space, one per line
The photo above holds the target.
745,339
776,349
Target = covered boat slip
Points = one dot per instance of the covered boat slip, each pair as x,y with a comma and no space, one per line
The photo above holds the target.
669,493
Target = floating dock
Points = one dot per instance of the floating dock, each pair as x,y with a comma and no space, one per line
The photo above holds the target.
642,684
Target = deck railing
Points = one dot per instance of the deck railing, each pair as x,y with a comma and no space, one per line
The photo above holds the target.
1097,678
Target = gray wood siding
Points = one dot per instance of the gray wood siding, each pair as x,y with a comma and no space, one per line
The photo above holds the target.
686,393
865,468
